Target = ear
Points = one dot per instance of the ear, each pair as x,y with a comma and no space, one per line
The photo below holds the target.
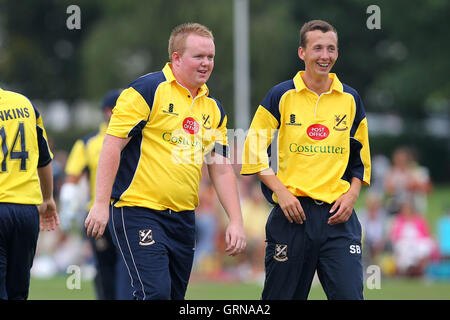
301,53
176,58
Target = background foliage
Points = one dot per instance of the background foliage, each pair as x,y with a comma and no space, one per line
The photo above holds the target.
400,69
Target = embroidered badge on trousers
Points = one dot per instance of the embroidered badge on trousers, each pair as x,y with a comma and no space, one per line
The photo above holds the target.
280,252
146,237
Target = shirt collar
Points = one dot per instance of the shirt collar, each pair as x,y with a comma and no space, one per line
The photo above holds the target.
335,85
167,70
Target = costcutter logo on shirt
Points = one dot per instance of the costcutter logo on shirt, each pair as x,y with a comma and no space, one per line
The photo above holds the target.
317,131
190,125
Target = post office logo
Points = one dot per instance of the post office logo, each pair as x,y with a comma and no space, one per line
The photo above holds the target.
190,125
146,237
281,252
317,131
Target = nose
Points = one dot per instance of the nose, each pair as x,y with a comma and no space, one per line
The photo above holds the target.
205,61
324,54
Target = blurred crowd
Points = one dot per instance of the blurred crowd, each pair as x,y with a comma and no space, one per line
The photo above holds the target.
397,235
392,211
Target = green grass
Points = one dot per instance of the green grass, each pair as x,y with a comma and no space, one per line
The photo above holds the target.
399,289
56,289
391,289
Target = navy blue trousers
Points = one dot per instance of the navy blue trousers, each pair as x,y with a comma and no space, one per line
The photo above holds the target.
19,230
112,281
158,250
294,252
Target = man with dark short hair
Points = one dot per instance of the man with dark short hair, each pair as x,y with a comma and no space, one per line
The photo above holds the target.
322,159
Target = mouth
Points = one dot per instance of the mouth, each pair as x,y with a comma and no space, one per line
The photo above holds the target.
324,65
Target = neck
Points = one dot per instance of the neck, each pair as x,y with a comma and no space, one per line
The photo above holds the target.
192,90
318,84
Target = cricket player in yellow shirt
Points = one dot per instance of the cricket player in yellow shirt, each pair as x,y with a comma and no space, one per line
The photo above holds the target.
163,126
26,191
321,160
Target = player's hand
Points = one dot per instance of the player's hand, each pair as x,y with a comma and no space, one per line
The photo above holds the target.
48,217
235,239
96,221
291,206
344,206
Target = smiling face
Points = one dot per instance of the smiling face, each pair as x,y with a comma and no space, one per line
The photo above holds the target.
193,66
319,53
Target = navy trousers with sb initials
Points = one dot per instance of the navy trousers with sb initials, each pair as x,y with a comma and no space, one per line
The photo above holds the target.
158,250
295,251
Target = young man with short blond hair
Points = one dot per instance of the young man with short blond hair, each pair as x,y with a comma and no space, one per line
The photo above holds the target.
149,170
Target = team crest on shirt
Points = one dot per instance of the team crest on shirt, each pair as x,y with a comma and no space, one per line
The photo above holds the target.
146,237
340,122
170,109
206,121
281,252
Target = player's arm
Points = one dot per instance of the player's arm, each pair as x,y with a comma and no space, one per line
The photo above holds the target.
345,203
224,180
358,168
288,203
48,217
108,165
255,160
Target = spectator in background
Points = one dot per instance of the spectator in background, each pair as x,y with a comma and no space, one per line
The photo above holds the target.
255,210
111,280
380,166
373,220
206,225
412,243
406,178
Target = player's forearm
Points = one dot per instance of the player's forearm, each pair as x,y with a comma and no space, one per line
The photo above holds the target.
355,187
108,165
46,181
224,181
269,178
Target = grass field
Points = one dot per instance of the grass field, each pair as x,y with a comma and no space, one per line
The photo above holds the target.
391,289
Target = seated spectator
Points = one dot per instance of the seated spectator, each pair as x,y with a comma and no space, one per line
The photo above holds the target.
406,178
413,245
373,220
